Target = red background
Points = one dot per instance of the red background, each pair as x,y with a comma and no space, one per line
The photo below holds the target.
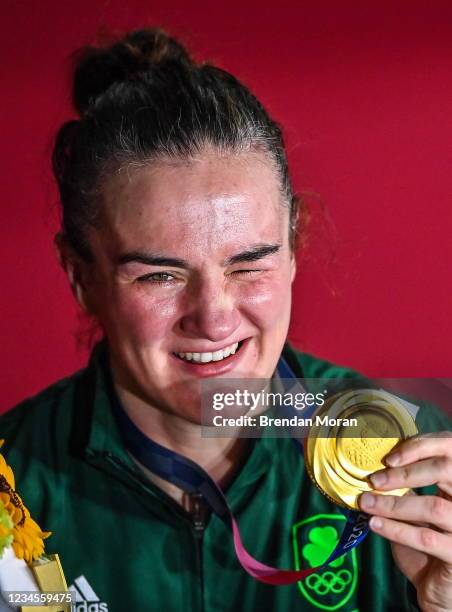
365,95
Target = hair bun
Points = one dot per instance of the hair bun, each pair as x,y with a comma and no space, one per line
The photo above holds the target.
98,67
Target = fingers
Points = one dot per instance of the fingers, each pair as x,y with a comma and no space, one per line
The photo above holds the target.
417,509
420,474
424,539
420,523
421,447
410,561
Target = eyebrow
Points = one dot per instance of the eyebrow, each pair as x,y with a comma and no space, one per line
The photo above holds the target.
253,253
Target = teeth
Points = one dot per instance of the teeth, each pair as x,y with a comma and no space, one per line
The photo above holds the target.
206,357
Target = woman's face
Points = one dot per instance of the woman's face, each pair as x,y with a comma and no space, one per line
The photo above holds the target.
191,257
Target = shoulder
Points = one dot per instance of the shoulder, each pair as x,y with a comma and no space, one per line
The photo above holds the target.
30,428
41,403
306,365
430,418
38,445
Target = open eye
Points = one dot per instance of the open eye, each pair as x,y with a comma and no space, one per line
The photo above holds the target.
153,278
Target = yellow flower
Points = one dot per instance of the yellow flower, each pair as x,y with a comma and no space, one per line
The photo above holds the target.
6,529
5,470
28,537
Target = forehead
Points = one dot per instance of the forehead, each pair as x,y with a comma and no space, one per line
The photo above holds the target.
199,204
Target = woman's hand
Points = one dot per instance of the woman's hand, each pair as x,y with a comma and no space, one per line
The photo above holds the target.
419,527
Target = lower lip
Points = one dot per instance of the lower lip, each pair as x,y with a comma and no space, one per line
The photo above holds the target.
213,368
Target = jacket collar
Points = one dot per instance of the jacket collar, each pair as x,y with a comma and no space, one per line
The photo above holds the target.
98,435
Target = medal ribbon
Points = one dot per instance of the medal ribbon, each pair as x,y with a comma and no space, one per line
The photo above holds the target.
191,478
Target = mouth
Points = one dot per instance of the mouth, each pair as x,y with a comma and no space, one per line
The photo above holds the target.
207,358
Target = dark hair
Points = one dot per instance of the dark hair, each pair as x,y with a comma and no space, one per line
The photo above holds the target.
144,98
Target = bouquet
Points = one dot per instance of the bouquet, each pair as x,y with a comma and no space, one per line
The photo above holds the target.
27,575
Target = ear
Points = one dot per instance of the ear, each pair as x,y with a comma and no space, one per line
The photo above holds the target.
75,269
293,267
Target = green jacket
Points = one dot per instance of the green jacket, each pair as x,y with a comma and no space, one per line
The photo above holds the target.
127,546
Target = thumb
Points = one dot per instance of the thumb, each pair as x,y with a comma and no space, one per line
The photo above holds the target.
410,562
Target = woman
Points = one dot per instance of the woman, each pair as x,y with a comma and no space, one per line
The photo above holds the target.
178,236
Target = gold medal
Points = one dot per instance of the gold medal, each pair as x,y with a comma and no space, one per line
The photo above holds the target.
340,456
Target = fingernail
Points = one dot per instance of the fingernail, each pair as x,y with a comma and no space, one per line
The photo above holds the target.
367,500
376,522
393,459
379,478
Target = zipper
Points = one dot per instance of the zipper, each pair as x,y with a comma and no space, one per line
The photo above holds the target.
198,510
194,511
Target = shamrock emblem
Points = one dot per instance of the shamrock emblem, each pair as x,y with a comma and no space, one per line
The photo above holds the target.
322,541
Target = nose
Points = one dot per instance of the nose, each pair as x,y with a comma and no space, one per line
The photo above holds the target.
211,313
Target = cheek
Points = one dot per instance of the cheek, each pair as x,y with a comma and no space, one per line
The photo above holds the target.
268,301
137,318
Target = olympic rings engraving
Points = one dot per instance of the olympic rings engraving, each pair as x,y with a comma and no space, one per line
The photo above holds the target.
334,582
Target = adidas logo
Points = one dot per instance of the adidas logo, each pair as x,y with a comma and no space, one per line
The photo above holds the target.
85,598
